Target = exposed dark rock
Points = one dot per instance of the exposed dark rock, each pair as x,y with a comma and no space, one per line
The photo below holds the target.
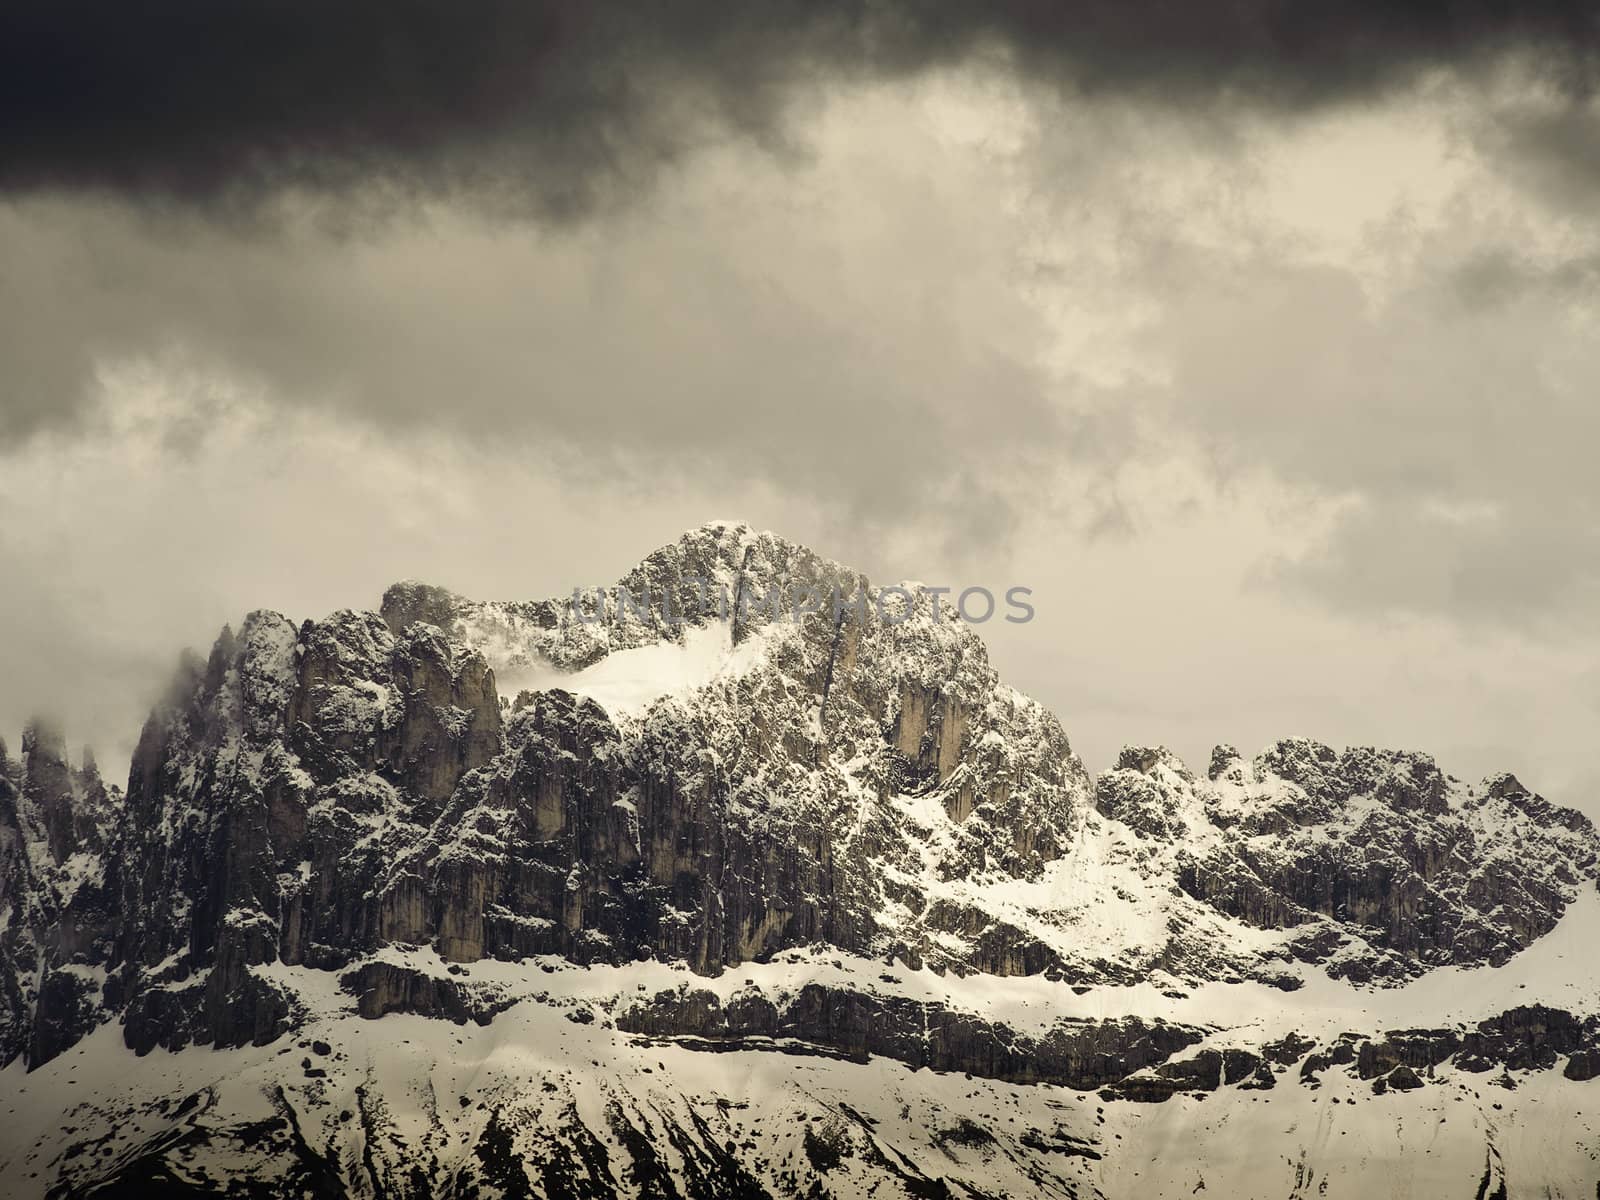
1582,1065
1203,1072
1341,1053
1422,1049
1527,1038
1083,1055
1401,1079
381,987
1287,1050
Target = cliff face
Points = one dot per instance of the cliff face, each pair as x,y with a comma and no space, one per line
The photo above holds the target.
310,794
1379,865
743,765
58,832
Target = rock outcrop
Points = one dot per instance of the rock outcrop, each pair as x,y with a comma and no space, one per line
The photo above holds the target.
1082,1054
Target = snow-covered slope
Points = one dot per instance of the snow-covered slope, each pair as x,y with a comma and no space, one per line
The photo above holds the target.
735,890
558,1094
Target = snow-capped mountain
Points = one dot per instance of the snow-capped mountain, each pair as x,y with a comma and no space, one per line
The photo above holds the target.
581,897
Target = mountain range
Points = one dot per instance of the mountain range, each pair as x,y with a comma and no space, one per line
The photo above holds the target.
502,899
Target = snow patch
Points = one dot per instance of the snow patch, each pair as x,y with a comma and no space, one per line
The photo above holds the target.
627,682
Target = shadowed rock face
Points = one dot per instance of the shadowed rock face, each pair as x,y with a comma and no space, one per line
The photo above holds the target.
846,776
1371,841
1080,1055
1380,865
56,837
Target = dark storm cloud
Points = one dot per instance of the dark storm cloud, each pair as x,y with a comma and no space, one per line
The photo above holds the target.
556,107
1551,147
756,324
1497,275
847,331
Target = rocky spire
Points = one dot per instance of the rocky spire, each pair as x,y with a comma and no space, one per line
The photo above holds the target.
10,782
68,803
47,784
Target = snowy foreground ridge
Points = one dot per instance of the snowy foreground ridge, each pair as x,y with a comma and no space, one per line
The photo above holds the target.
465,899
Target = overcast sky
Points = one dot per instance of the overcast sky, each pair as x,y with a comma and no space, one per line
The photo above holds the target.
1260,342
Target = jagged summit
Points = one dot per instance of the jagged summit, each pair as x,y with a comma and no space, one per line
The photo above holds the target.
828,823
713,550
719,570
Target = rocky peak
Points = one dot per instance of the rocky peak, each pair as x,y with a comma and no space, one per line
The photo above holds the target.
1384,864
67,803
721,571
57,826
47,785
1226,763
1505,786
1147,791
1151,760
409,601
453,808
676,780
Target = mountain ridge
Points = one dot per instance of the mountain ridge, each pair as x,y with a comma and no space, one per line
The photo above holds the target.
843,807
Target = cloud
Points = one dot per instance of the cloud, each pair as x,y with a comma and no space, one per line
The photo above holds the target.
858,333
1451,421
948,305
557,109
1496,275
1547,138
1527,566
